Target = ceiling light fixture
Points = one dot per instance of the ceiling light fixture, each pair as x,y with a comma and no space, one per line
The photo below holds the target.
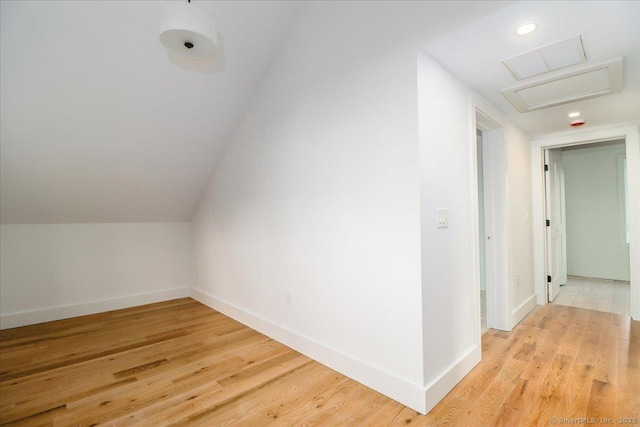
577,123
188,31
525,29
574,114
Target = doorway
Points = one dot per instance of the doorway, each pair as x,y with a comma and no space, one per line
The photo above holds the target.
491,213
588,226
631,135
555,222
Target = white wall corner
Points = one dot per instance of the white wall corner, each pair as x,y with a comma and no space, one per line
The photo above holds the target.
14,320
438,388
525,308
398,389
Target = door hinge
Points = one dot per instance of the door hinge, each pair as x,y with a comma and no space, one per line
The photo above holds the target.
546,168
548,279
548,223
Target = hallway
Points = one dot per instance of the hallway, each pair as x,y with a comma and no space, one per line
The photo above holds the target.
609,296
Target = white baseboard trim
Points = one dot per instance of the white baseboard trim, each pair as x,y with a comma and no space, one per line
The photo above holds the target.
525,308
399,389
438,388
14,320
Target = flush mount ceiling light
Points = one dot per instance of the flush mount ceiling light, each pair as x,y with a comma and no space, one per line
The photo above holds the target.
188,30
574,114
525,29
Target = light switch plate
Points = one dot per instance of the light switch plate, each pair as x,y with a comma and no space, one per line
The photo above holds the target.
442,218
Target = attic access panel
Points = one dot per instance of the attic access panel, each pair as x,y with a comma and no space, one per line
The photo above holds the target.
546,59
567,86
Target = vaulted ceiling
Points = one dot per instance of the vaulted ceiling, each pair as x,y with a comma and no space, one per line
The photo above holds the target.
98,125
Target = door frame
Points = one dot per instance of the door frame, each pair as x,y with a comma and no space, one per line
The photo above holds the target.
631,135
496,257
554,212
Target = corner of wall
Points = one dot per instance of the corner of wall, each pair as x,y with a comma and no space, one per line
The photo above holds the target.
438,388
523,309
399,389
14,320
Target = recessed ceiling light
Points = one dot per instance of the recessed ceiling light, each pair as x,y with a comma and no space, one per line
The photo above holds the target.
574,114
525,29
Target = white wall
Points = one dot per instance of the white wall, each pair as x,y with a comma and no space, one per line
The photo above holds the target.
450,293
594,245
318,195
519,224
49,272
450,256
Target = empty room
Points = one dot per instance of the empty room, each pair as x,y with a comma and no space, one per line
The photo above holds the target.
322,213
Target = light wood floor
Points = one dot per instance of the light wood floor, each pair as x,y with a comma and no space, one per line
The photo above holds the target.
180,363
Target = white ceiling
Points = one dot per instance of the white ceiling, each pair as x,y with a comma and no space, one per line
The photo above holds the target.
98,125
609,29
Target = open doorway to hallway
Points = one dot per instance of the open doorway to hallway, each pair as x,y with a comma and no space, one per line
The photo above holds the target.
588,228
610,296
490,207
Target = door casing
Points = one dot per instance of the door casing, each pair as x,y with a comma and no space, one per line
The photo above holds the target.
631,135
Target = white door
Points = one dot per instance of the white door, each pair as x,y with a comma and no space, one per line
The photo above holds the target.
562,225
556,238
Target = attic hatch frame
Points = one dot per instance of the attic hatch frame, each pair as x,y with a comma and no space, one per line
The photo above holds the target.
574,84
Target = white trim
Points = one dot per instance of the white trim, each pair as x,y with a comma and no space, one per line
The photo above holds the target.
496,221
438,388
14,320
570,78
396,388
525,308
631,135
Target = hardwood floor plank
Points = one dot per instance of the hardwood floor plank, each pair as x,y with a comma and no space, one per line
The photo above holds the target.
237,389
271,402
101,370
628,387
570,345
606,366
492,399
602,401
545,405
181,363
574,401
314,402
453,412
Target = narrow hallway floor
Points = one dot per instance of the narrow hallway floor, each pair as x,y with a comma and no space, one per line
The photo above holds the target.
609,296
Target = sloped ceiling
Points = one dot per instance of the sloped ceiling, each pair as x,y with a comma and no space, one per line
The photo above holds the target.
97,125
609,29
